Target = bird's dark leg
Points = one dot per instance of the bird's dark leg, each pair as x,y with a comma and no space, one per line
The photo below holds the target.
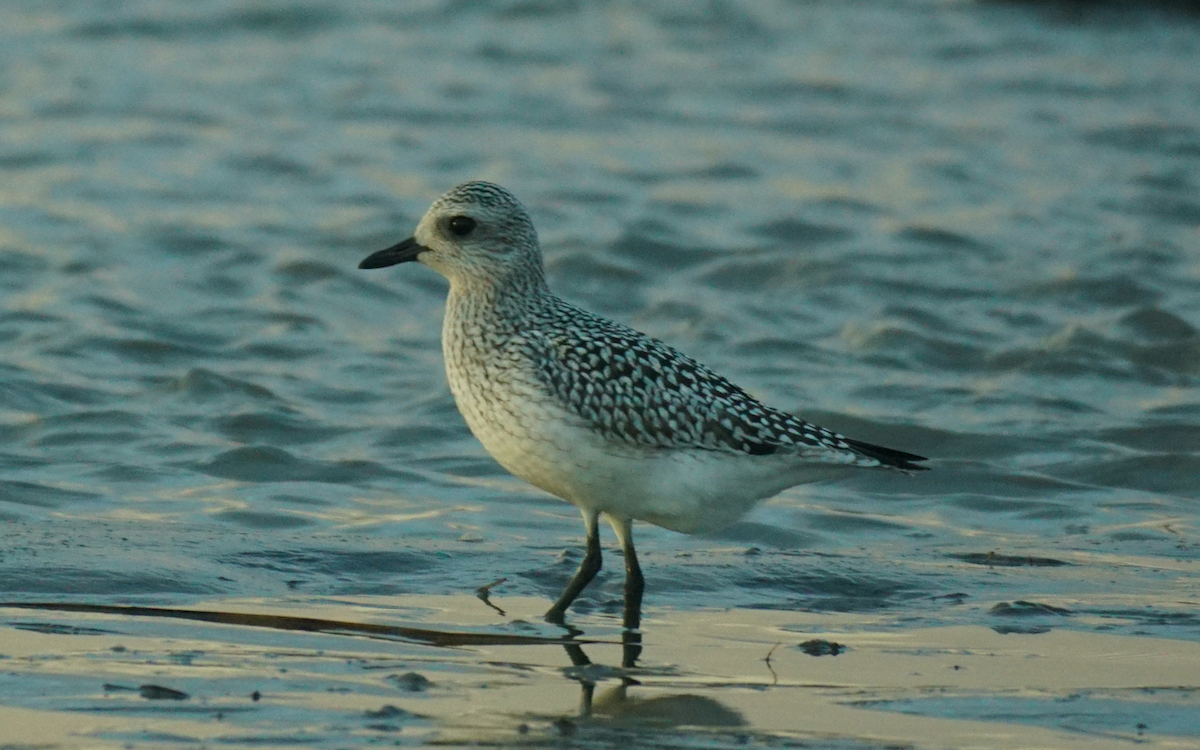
635,584
588,568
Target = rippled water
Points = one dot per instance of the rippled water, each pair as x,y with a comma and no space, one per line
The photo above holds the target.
966,230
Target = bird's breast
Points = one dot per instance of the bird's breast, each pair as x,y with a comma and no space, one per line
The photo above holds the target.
518,421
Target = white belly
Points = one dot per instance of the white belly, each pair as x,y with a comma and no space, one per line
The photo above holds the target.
692,491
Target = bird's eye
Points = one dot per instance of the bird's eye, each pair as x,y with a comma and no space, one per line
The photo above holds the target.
460,226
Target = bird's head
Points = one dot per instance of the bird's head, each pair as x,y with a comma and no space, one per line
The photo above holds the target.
476,232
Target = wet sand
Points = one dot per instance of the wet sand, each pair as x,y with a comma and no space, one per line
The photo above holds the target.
704,680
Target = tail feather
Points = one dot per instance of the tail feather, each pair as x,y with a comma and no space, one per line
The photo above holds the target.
888,456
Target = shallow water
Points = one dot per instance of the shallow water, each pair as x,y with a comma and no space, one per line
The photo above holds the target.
966,230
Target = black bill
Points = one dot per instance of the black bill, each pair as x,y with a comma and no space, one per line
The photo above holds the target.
401,253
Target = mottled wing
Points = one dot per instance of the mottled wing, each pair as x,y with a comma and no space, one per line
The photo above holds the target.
635,389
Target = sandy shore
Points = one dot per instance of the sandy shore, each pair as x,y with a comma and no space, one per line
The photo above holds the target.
80,679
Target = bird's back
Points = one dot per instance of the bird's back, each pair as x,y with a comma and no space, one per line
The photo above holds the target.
636,391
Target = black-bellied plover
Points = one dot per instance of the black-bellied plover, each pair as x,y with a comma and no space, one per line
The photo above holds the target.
606,418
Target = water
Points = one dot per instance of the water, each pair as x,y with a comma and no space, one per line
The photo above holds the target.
965,230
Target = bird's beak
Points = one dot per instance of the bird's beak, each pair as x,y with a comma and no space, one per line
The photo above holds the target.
401,253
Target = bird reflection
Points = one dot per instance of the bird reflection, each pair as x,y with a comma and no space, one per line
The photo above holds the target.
615,704
631,649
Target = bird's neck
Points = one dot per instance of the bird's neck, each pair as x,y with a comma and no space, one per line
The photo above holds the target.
486,308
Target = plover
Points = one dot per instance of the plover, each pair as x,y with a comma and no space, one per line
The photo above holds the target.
609,419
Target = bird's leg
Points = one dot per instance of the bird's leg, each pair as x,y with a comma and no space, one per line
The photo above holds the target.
631,649
635,584
588,568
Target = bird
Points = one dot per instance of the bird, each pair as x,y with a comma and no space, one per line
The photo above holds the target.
613,421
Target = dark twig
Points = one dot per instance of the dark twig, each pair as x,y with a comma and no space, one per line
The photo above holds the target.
767,661
483,592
